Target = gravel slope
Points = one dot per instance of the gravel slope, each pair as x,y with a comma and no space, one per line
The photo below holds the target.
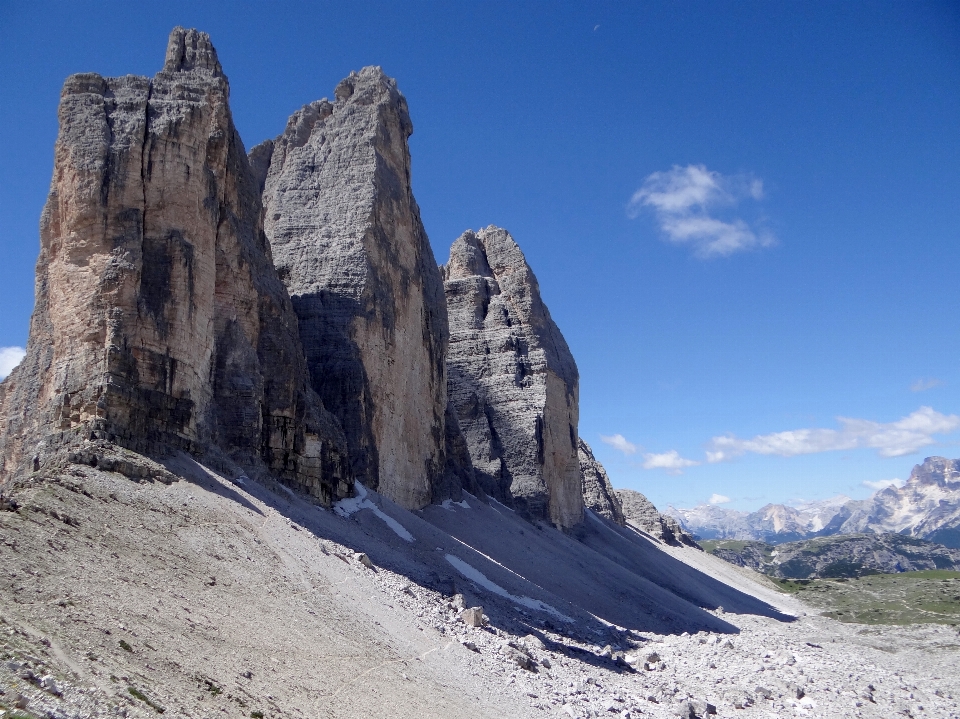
211,599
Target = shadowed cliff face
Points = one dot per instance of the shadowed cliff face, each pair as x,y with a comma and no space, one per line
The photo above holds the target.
513,381
347,239
160,322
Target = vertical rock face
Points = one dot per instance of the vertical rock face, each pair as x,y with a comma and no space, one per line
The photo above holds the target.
513,381
160,322
349,244
598,493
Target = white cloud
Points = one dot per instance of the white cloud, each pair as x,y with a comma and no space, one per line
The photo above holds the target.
718,499
618,441
883,483
682,200
10,357
670,461
925,383
890,439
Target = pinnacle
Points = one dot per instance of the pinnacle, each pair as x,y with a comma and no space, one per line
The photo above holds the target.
191,50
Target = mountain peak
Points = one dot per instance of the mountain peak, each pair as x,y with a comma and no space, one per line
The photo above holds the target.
190,49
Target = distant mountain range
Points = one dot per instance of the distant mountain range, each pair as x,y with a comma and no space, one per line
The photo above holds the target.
849,555
927,506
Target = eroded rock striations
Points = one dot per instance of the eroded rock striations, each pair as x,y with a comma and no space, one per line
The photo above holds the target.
160,322
598,492
640,512
349,244
513,381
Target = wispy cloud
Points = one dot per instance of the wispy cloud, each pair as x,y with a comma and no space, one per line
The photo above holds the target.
684,201
618,441
883,483
718,499
925,383
670,461
890,439
10,357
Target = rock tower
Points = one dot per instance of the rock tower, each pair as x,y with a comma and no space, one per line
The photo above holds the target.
513,381
349,245
160,322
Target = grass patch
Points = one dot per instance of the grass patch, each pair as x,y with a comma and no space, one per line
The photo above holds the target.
926,597
136,693
125,647
735,545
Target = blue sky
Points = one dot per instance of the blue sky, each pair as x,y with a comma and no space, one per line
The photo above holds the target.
743,216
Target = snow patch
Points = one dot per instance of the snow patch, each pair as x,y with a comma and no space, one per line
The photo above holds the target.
480,579
352,505
448,504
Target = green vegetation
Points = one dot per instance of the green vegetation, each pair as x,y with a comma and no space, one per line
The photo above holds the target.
134,692
8,713
926,597
256,715
210,686
125,647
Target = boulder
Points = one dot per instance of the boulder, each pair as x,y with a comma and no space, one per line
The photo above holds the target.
348,242
512,380
473,617
160,323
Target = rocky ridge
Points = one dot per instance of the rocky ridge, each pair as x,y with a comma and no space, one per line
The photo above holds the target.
640,512
512,379
598,494
160,322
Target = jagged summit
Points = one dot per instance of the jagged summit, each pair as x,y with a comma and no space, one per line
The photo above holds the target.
189,50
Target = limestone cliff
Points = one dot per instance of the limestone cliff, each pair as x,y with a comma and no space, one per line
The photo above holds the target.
160,322
349,244
513,381
598,492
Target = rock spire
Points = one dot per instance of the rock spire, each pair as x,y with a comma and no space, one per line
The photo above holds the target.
160,322
513,381
349,244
